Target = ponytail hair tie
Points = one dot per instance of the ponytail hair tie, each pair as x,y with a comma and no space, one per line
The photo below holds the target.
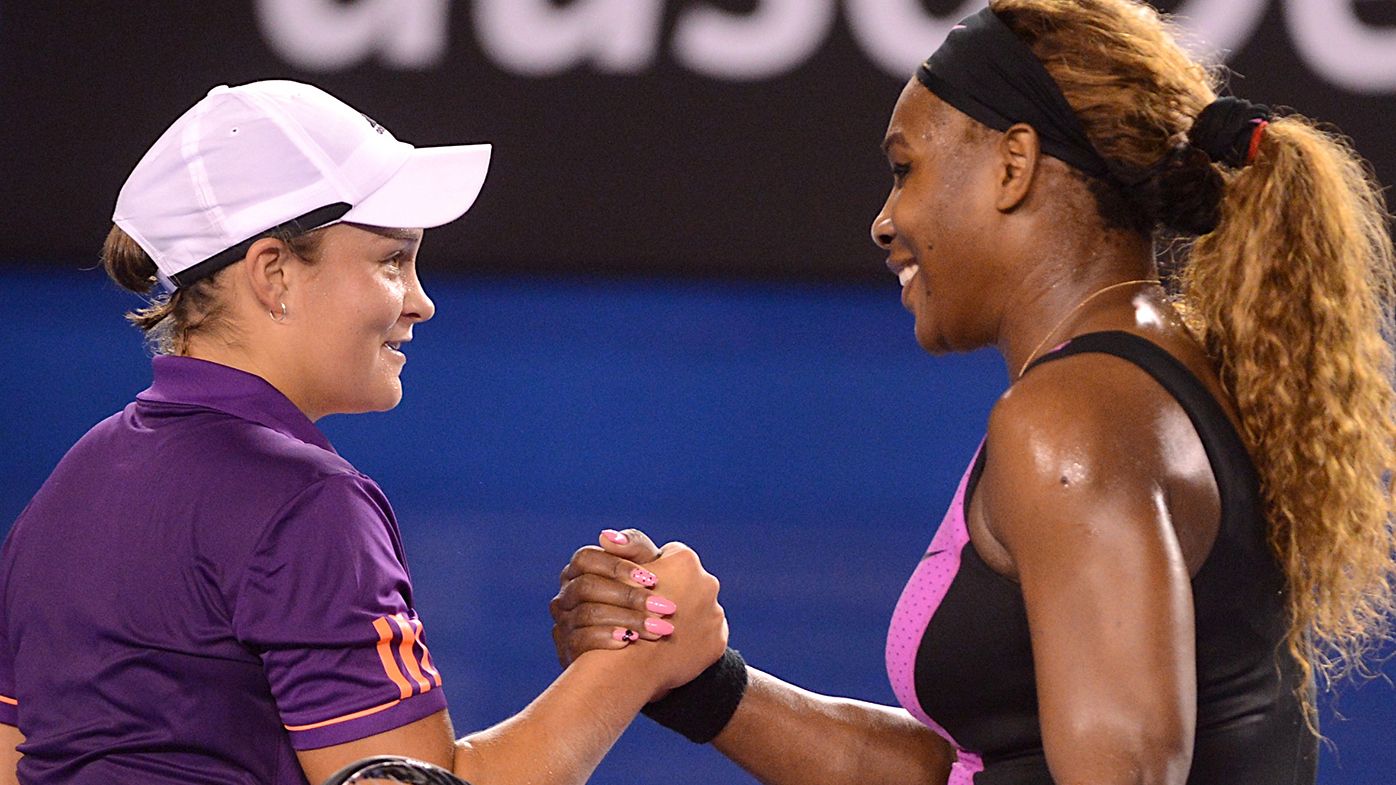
1255,140
1229,130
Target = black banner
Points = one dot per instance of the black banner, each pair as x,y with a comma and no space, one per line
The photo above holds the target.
647,136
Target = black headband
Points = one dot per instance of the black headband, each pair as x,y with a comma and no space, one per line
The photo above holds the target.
984,70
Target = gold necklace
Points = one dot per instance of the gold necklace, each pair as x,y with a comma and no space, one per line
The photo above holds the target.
1072,313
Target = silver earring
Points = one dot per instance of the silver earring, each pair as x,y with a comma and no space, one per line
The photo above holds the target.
281,318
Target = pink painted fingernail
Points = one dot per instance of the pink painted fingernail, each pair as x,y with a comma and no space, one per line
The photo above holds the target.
659,626
658,604
625,636
619,538
643,577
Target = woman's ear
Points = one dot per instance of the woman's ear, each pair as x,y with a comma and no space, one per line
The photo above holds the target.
267,269
1018,152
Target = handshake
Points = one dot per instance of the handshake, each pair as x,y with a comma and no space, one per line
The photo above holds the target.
656,603
629,614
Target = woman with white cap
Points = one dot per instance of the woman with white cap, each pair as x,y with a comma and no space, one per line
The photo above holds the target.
204,590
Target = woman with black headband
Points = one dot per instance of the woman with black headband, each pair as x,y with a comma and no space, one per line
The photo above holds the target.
1180,517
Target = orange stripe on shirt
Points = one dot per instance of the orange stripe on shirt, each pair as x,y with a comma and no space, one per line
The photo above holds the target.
13,702
426,655
345,718
409,657
385,653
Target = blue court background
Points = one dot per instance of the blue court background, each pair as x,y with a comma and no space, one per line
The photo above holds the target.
792,433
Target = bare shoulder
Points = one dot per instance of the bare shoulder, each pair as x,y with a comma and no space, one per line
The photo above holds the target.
1079,448
1087,411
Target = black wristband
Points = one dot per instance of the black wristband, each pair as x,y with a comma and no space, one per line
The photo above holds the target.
701,708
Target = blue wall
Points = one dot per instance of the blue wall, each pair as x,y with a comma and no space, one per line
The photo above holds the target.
793,434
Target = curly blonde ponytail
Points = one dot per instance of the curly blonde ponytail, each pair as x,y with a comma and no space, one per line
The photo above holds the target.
1293,294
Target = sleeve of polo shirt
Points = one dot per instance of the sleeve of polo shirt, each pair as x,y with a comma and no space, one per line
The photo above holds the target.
326,602
9,705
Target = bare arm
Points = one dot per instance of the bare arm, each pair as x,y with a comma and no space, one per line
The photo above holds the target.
780,733
1075,496
784,735
560,737
564,733
10,738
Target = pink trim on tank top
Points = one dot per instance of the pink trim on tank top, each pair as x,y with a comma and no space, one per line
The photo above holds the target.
919,601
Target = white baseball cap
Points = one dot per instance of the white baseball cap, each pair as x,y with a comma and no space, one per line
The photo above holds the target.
278,154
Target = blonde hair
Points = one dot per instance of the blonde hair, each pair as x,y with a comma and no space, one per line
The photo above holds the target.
1289,288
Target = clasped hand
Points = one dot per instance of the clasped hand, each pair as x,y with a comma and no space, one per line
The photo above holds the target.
629,594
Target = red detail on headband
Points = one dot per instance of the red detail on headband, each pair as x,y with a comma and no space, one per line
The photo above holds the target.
1255,140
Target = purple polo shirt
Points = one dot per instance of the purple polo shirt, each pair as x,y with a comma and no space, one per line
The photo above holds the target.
202,587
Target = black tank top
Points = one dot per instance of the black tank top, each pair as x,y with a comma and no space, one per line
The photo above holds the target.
972,672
